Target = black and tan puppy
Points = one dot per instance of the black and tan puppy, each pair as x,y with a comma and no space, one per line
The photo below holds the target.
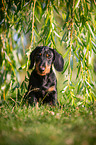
42,82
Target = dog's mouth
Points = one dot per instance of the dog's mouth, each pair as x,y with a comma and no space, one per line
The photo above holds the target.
41,73
43,70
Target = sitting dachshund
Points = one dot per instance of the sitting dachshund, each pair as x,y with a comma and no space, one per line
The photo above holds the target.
42,82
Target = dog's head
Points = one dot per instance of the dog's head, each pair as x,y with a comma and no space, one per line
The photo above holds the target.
43,57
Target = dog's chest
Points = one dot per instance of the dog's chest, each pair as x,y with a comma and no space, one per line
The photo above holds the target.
44,81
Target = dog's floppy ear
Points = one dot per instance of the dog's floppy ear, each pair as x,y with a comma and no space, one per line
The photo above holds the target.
58,61
32,59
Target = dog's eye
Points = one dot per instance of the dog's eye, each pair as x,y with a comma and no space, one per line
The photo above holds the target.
39,54
48,56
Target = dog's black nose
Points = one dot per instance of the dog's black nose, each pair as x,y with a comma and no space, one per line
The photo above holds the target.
42,66
42,69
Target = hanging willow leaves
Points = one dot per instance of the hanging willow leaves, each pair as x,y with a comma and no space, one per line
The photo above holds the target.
68,26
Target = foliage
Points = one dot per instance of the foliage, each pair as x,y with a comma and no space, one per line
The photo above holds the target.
70,25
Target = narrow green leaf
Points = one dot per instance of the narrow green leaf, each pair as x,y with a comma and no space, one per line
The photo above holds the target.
93,47
53,40
22,87
65,66
79,41
79,67
57,34
65,81
94,44
64,38
26,79
48,36
66,20
55,9
64,89
94,50
90,29
28,74
91,86
76,4
70,99
71,62
85,9
7,88
78,89
26,86
36,17
66,53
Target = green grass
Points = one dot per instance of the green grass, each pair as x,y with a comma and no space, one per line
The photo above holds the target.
47,125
